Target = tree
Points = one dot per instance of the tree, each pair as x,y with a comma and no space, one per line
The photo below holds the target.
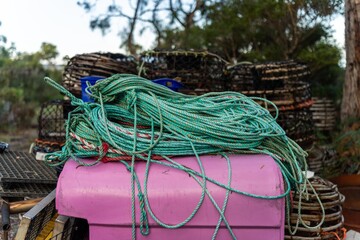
237,29
156,16
244,30
326,74
22,87
254,30
2,37
350,107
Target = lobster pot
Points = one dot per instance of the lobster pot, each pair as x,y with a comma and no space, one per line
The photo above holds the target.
52,122
321,157
332,200
266,76
95,64
199,72
324,114
292,94
102,195
298,125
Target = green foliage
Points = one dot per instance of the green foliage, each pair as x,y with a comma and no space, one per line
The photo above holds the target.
254,30
326,74
348,147
2,37
22,87
11,94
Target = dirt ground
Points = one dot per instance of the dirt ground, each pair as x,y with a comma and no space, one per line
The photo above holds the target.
14,222
19,140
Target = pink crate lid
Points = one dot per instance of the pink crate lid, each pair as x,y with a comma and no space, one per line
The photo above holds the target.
102,193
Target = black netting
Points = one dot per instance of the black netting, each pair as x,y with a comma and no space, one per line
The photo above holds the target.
199,72
52,121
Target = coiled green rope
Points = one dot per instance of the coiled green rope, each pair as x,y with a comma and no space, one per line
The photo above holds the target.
133,118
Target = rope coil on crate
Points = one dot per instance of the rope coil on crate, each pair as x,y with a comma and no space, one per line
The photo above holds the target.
162,123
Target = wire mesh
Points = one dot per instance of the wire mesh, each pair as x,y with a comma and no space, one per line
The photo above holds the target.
40,215
73,229
199,72
67,233
52,122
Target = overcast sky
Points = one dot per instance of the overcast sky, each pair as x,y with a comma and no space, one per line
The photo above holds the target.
66,25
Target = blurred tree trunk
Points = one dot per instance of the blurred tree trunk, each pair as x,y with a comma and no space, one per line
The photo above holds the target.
350,107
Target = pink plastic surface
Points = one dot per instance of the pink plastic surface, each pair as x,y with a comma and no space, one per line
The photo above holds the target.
102,195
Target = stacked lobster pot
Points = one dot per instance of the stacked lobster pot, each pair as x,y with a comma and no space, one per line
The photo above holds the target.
51,135
95,64
54,113
285,84
308,222
323,160
324,114
198,72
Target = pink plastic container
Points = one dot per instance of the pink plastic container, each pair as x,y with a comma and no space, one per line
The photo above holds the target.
102,195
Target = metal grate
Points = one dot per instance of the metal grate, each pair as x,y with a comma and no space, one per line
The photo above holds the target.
20,167
26,190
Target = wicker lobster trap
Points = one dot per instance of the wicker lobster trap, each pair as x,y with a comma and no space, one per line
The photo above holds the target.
290,95
321,157
311,214
324,114
95,64
266,76
298,124
285,83
199,72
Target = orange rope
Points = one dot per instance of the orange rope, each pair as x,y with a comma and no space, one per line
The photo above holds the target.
343,230
39,141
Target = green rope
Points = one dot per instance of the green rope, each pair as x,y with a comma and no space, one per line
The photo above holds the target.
133,118
143,215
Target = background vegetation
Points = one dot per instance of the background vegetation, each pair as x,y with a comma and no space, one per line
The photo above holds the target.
22,88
